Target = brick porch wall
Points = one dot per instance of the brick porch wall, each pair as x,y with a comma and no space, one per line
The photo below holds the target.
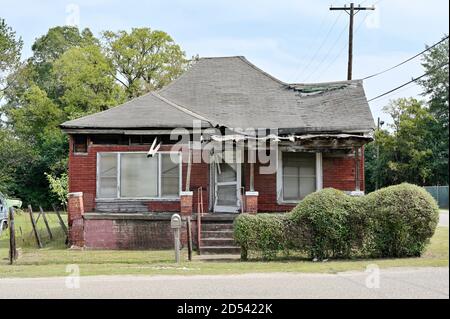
132,234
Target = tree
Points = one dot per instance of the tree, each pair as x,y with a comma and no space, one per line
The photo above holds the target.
10,49
144,59
85,78
49,47
436,86
406,147
68,76
14,154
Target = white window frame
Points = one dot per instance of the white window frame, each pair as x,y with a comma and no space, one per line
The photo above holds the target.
319,177
159,197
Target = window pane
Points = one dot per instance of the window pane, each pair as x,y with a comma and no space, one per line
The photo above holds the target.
308,169
290,171
107,175
170,175
307,186
299,175
290,188
226,195
227,172
138,175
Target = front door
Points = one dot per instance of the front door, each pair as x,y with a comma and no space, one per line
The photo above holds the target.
227,184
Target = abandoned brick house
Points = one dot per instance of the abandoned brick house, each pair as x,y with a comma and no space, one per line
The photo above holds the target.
122,197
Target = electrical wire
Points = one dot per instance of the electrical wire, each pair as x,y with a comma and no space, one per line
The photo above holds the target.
323,42
405,61
409,82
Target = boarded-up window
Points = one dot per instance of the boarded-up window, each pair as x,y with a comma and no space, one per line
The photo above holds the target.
299,175
80,143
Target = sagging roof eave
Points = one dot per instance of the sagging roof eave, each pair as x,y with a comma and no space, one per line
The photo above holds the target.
168,130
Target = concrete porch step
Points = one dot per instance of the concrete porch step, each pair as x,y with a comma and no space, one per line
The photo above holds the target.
217,233
214,217
206,250
222,242
216,226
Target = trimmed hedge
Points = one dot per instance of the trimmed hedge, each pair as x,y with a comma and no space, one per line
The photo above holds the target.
396,221
403,218
262,232
327,224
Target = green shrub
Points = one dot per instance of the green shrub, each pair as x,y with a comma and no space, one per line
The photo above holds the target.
396,221
403,218
263,233
328,223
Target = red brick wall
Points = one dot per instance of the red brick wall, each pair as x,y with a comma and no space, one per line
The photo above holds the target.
338,172
132,234
83,172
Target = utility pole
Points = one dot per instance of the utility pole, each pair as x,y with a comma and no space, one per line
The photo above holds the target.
377,181
352,10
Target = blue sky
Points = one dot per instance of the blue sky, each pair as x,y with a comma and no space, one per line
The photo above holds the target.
294,40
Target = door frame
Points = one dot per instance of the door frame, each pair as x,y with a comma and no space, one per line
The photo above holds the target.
238,182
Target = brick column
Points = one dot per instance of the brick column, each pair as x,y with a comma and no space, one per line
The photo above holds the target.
251,202
75,219
186,203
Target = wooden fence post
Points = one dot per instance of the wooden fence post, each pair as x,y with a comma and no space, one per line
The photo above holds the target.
12,237
189,237
33,224
61,222
46,223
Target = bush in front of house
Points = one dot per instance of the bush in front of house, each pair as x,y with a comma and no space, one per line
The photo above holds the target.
396,221
402,218
264,233
328,224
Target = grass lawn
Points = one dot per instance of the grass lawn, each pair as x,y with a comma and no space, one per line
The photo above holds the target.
53,259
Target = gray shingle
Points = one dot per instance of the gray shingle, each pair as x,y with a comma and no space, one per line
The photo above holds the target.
147,111
233,92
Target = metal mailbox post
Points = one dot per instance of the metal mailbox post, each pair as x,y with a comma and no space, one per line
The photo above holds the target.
175,224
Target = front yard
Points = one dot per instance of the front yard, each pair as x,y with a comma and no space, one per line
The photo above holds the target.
53,259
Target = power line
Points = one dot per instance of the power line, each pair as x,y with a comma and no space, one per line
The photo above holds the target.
405,61
316,34
327,54
341,50
323,42
409,82
352,11
408,87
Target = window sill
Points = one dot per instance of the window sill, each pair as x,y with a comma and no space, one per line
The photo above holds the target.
152,199
289,202
80,153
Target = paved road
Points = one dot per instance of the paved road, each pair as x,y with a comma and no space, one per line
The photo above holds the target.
443,218
393,283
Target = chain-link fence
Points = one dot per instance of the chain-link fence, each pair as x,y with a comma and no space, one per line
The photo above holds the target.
440,193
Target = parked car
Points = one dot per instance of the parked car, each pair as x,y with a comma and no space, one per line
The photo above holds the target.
5,203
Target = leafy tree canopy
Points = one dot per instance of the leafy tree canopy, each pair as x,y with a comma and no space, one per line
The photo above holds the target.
10,48
144,59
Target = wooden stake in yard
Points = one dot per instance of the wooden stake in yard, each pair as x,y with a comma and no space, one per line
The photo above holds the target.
61,222
12,237
33,224
46,223
189,237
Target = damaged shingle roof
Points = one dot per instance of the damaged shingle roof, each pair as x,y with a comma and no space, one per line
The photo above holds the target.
232,92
